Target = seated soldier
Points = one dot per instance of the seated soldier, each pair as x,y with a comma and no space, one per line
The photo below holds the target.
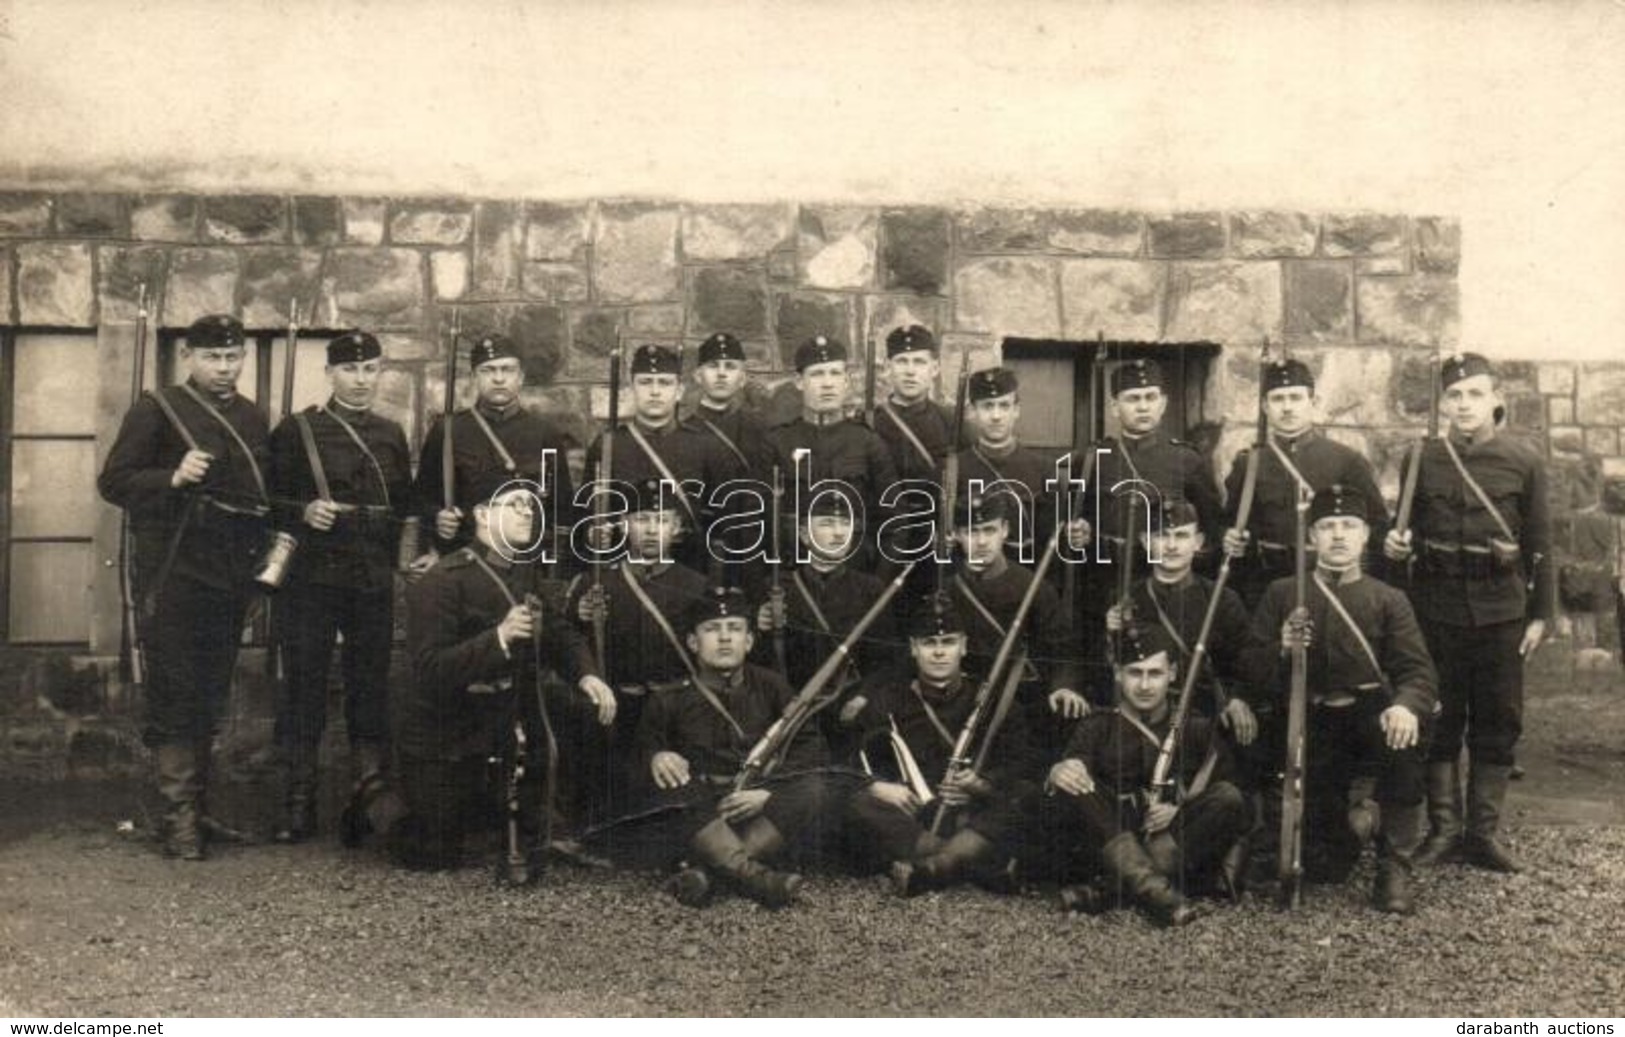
476,635
1103,796
912,728
695,738
1371,688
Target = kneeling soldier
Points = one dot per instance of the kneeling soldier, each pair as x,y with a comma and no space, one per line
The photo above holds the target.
1102,793
1372,687
911,727
695,738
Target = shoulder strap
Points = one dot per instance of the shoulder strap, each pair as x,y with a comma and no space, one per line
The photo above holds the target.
1354,628
812,603
727,441
930,714
248,455
1166,620
1292,469
665,472
1139,726
366,451
660,621
485,567
981,609
886,407
1478,491
314,456
496,444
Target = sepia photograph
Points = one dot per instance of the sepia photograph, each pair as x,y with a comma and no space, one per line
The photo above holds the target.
780,509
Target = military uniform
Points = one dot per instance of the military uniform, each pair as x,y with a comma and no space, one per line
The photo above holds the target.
821,609
920,434
1179,609
341,581
1476,586
458,713
1015,469
738,431
196,548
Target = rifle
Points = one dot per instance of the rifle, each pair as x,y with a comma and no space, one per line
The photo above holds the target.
1407,493
776,593
1069,579
448,459
960,758
1162,779
1291,859
518,860
763,756
135,644
869,385
606,473
950,464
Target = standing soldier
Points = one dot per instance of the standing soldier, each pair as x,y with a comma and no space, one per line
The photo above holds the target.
918,431
1298,456
345,476
498,433
997,457
188,467
1484,589
721,412
1372,689
1161,466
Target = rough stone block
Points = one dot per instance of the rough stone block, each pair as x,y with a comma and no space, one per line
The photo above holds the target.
1613,485
397,399
430,221
164,217
1409,311
1231,394
635,255
783,265
1118,298
1002,230
499,240
409,348
977,351
201,281
594,334
1566,440
556,282
1349,384
1187,235
448,269
1319,301
54,284
24,214
378,288
539,331
1559,410
1362,234
730,299
1602,441
1555,379
798,316
713,233
273,277
92,216
914,250
568,406
1383,266
1097,232
1008,295
655,321
1438,244
1268,235
364,220
837,246
1516,377
317,221
245,219
557,233
1412,386
1600,398
1226,303
1388,449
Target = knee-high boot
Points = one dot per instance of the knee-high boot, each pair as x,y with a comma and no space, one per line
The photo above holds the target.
178,784
952,861
1444,815
721,849
1481,846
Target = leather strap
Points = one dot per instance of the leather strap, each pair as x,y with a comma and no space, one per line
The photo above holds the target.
314,456
1478,491
665,472
930,714
248,455
1359,635
727,441
886,408
1292,469
496,444
372,459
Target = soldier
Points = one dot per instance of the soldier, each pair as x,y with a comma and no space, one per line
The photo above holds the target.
721,412
694,740
1484,589
644,598
1101,797
344,475
1141,455
498,433
835,447
911,722
1372,689
1298,455
188,468
918,431
474,644
998,458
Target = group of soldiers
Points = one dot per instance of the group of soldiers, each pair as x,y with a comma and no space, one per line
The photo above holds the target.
734,651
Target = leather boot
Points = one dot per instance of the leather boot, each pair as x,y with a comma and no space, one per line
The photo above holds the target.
1090,898
721,849
177,783
1444,815
1481,847
1231,874
374,808
214,830
957,858
691,886
299,805
1127,862
1365,820
1392,890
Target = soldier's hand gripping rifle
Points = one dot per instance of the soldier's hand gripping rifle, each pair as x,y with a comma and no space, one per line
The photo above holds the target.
767,751
950,464
1292,783
135,644
775,594
598,605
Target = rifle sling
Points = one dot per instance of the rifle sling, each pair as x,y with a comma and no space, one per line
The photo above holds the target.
727,441
1478,491
248,455
665,473
1354,628
908,433
496,444
676,643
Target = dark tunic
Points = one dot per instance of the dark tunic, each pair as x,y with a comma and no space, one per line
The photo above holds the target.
1046,633
739,433
1025,474
844,450
931,423
639,653
1179,609
842,596
1122,757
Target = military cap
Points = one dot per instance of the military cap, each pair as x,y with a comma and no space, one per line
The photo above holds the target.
1136,374
992,383
216,331
716,603
648,496
1141,641
353,347
485,485
721,346
909,339
934,616
491,347
831,504
978,508
1287,373
1177,511
820,349
1338,499
1463,365
656,360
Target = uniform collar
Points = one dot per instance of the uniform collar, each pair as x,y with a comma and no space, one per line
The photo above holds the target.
707,409
1291,442
1477,439
1009,447
647,570
346,413
1140,442
909,408
994,570
1334,578
658,430
823,420
492,557
1188,578
721,681
499,414
217,402
939,693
